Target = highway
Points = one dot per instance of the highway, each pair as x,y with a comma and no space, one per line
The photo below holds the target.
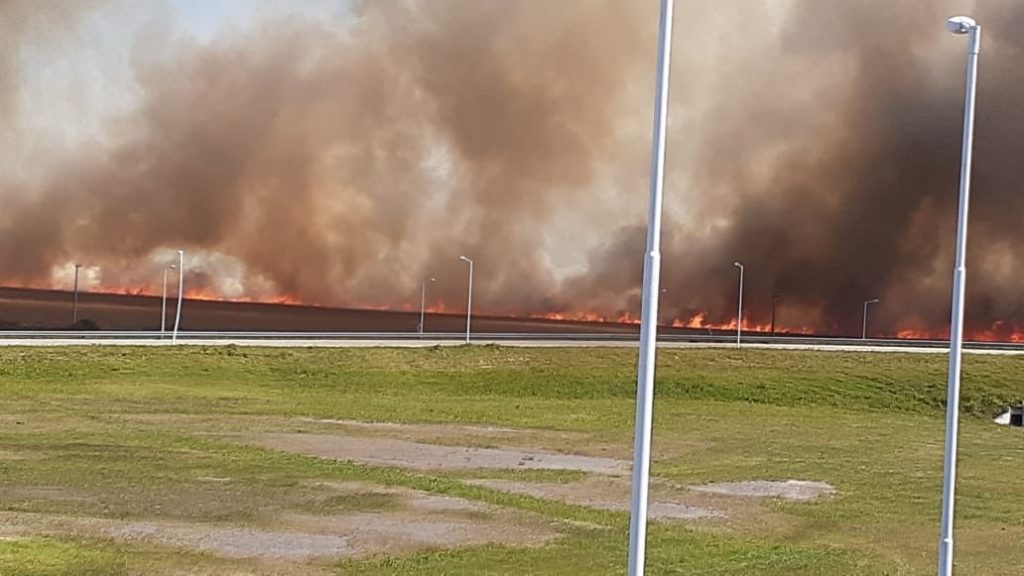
400,339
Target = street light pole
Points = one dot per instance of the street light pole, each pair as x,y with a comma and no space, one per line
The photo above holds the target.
74,311
181,290
739,315
958,25
423,304
163,305
663,292
864,326
469,303
649,313
775,301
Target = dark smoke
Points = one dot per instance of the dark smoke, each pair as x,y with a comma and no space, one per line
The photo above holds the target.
830,169
818,144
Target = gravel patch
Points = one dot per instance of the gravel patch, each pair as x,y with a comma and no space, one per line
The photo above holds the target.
603,493
419,456
797,490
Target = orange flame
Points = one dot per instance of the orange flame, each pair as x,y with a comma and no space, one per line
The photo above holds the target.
700,322
1000,331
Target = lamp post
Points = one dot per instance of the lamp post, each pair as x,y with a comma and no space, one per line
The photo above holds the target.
663,292
423,303
739,314
864,326
74,310
958,25
469,303
775,301
181,291
649,314
163,305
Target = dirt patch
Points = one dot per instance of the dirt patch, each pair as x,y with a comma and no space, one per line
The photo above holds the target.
432,526
416,429
419,521
234,542
52,493
419,456
606,493
457,435
798,490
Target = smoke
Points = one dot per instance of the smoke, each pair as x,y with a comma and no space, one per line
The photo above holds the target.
839,167
828,165
816,142
344,165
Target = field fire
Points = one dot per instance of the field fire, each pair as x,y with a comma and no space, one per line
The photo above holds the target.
137,310
349,180
403,288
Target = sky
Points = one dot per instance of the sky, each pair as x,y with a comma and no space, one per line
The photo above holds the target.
99,72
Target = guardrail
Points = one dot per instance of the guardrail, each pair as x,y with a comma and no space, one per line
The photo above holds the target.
193,336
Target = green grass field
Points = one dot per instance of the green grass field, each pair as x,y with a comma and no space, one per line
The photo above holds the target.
117,434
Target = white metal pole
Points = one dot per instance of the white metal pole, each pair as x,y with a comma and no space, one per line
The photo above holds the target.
423,304
864,325
74,312
649,315
739,314
181,291
775,301
163,306
469,304
967,26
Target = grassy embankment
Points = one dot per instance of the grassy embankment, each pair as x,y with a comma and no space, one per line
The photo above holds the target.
135,430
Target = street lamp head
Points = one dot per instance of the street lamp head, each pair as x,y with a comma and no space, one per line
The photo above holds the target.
464,259
737,264
433,279
181,252
960,24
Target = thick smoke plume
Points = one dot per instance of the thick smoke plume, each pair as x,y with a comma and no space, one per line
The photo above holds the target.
832,173
816,142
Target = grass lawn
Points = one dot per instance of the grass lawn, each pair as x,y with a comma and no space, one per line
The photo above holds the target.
144,434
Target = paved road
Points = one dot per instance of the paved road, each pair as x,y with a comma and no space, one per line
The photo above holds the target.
341,340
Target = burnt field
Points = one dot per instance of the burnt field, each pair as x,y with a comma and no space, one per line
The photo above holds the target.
29,309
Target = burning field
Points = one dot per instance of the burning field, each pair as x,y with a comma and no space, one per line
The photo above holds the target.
341,158
27,309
